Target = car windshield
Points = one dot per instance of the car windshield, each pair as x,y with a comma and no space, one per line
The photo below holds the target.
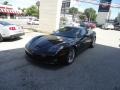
67,32
4,23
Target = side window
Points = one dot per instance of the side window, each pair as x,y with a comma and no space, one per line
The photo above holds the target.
78,34
83,31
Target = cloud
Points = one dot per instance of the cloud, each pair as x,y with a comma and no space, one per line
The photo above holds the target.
22,3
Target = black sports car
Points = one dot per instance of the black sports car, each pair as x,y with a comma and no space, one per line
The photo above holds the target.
62,45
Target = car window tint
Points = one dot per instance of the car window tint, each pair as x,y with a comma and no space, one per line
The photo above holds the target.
83,31
67,32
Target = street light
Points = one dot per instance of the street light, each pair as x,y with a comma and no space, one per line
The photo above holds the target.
38,5
64,8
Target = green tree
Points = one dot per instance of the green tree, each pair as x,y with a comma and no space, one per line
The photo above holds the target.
73,11
82,16
32,11
24,11
91,14
19,8
5,3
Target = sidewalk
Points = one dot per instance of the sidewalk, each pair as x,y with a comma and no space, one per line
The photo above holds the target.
108,37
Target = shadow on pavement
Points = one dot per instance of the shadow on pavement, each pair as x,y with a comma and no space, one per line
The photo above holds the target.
96,68
12,40
17,56
16,59
45,65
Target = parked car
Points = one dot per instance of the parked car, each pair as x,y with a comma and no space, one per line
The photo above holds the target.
8,30
62,45
88,24
33,22
92,25
117,27
108,26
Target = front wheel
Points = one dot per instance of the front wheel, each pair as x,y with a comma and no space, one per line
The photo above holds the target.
70,57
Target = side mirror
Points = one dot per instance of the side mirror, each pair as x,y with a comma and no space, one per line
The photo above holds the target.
87,35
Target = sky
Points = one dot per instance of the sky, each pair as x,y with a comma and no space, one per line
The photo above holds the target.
114,11
21,3
82,6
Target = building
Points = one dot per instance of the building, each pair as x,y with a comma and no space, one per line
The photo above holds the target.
50,14
67,4
104,12
9,12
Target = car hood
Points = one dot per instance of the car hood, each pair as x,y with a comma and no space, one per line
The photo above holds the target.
44,43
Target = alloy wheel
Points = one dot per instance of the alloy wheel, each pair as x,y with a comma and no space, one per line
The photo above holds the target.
71,56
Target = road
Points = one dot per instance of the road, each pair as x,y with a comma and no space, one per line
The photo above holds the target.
93,69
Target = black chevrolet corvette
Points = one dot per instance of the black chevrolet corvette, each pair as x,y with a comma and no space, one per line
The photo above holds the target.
62,45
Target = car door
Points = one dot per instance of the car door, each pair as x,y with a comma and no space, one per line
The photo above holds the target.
83,39
88,37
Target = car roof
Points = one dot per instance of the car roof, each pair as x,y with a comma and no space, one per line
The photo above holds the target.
75,27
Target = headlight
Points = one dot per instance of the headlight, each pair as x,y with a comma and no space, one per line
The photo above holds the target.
32,40
28,44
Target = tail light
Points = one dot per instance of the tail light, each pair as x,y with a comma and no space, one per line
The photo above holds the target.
12,28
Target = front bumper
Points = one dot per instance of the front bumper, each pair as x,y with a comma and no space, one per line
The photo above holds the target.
42,57
15,35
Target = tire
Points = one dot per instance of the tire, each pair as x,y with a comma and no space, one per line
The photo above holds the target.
92,45
33,23
70,57
1,39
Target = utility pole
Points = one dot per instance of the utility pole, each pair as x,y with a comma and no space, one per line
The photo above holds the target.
109,15
38,5
65,8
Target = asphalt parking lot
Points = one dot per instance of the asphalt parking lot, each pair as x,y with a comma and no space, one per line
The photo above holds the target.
94,69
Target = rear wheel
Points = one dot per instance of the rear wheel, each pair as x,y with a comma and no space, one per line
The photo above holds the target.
1,39
70,57
92,45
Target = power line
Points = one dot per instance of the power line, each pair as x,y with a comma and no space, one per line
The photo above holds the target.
96,2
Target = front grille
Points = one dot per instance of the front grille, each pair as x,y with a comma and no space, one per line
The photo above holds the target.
40,57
